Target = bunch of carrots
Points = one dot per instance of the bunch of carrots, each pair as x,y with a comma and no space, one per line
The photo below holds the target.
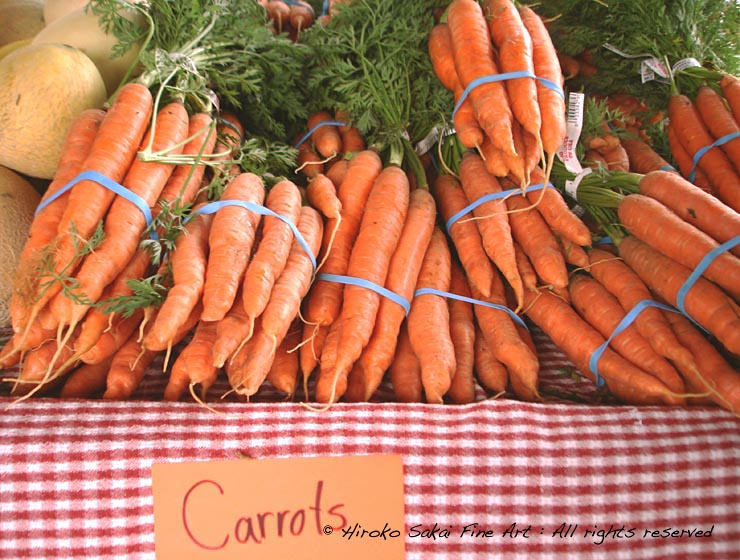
290,17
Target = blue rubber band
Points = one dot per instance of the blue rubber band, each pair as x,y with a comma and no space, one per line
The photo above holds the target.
109,184
213,207
668,168
604,241
325,7
517,318
501,77
353,281
698,155
699,270
315,127
488,198
626,321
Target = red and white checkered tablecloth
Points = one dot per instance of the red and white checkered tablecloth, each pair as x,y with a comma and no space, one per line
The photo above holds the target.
75,476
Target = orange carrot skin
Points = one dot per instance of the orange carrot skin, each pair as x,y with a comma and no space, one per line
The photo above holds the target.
603,312
403,272
336,171
43,228
496,162
309,162
515,53
111,154
705,302
462,334
730,86
36,364
310,351
125,223
578,341
321,193
693,136
325,299
642,157
326,139
112,339
719,121
189,261
283,374
650,221
380,230
465,235
693,205
86,381
473,54
230,242
491,372
405,370
231,331
493,223
272,251
723,379
127,369
194,365
684,162
429,321
535,237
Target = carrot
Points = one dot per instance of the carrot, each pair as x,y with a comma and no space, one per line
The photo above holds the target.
705,302
281,310
629,289
546,65
312,343
693,205
321,193
336,171
538,242
34,374
570,65
34,336
658,226
326,138
465,235
352,140
715,374
283,374
556,212
492,219
473,55
617,159
309,162
112,338
188,263
230,243
462,334
730,86
491,372
441,57
515,53
279,12
642,157
324,299
719,121
684,162
194,365
603,312
526,270
231,331
403,272
380,230
429,321
86,381
578,340
405,370
693,136
301,15
272,251
496,163
43,228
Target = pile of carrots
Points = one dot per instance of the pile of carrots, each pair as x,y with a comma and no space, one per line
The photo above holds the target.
352,272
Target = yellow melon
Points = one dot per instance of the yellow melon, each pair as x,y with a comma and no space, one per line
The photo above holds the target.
43,88
18,201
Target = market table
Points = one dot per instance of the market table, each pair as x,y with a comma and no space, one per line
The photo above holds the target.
76,476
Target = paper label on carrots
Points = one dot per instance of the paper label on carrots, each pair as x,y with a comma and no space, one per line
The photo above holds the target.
567,152
571,187
301,508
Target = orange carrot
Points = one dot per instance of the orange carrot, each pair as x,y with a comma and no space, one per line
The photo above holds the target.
578,340
653,223
429,321
603,312
326,138
405,370
491,372
321,193
309,162
194,365
352,140
86,381
465,235
719,121
493,221
705,302
301,15
112,338
272,251
693,205
34,375
336,171
313,339
495,160
684,162
403,272
279,12
324,299
642,157
462,334
230,243
693,136
377,239
730,86
283,374
473,54
231,331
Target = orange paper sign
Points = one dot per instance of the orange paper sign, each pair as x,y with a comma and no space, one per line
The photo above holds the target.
310,507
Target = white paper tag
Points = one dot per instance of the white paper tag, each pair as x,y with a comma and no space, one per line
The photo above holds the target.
567,152
571,187
685,63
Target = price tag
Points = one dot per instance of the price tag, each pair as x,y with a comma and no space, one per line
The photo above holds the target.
567,152
308,507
